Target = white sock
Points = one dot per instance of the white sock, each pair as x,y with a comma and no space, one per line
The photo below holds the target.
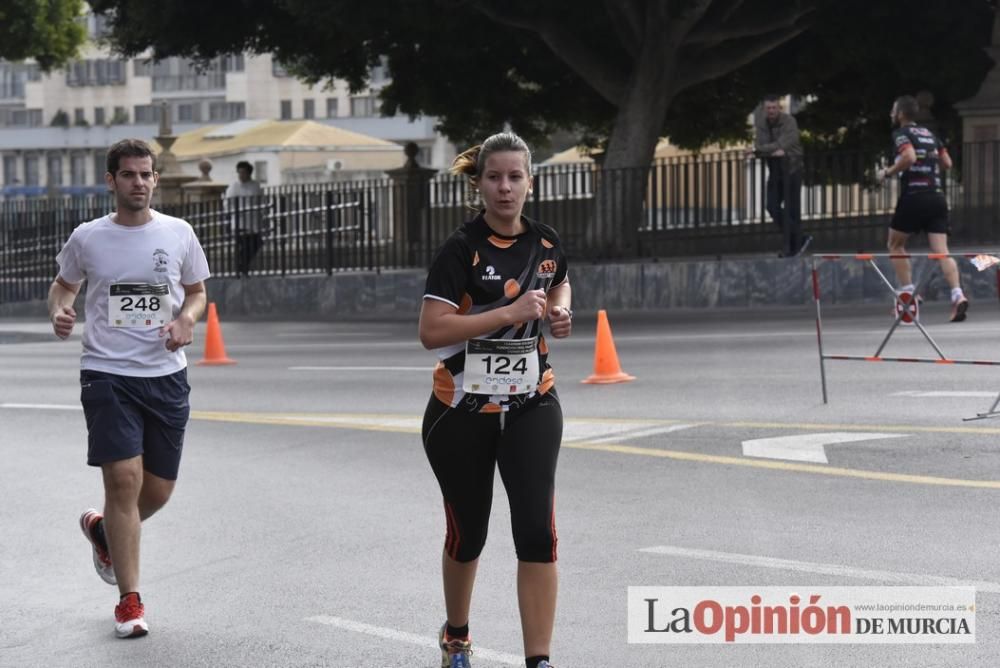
909,287
957,295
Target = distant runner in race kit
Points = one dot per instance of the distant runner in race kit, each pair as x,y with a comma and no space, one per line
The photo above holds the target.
494,403
145,276
922,205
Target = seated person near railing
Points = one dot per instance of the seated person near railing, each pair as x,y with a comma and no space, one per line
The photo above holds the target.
246,218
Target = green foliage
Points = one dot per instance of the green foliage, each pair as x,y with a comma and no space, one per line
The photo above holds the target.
862,55
50,31
60,119
476,68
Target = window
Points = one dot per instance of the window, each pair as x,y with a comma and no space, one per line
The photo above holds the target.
100,166
31,177
365,105
232,63
120,116
226,111
54,170
189,113
178,74
286,109
96,72
308,108
278,70
97,26
147,113
331,107
78,169
29,118
78,117
10,170
98,115
13,77
142,68
260,171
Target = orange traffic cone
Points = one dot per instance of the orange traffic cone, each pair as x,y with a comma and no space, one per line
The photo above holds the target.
606,366
215,349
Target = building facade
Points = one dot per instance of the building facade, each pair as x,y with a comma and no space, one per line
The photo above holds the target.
55,127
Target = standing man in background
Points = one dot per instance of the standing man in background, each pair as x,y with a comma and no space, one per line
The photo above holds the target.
243,196
777,141
145,276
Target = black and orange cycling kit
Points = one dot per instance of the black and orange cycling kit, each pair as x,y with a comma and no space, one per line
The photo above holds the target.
467,434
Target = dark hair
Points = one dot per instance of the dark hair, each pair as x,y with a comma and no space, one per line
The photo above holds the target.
908,106
243,164
771,97
128,148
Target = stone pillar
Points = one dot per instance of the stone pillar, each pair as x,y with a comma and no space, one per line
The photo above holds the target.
169,190
981,139
411,212
204,189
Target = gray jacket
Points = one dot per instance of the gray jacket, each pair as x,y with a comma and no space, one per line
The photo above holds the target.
783,134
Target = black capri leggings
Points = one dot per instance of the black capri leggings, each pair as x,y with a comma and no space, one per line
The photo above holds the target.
463,449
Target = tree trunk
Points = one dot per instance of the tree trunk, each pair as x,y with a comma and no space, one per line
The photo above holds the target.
621,184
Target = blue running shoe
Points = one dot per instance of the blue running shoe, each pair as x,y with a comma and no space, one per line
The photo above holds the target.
455,652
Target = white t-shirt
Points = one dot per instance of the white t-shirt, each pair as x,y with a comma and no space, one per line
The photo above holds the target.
250,206
143,260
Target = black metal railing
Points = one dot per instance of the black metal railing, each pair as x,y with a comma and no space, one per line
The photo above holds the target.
705,205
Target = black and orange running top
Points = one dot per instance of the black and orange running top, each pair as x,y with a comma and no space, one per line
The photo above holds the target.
924,175
477,270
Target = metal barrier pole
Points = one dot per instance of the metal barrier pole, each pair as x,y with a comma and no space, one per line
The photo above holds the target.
819,329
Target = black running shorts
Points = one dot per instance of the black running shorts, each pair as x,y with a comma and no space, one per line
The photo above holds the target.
921,212
129,416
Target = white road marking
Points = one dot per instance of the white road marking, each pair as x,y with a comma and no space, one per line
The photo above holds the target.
481,653
942,393
820,568
426,369
44,407
404,423
805,447
639,433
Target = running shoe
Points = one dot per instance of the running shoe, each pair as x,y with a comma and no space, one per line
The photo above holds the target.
907,307
455,652
545,664
130,615
102,558
959,310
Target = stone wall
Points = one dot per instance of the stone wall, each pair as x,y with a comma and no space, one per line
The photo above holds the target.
745,283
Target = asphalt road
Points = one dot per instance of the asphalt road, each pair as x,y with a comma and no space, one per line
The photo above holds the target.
306,529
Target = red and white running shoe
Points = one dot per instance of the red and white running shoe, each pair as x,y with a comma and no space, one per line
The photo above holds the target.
130,616
102,558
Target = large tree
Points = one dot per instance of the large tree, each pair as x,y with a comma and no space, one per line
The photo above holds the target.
624,72
50,31
611,64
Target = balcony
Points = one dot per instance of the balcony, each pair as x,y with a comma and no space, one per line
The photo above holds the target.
174,83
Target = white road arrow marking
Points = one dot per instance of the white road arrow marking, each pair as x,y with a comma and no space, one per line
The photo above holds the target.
805,447
942,393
